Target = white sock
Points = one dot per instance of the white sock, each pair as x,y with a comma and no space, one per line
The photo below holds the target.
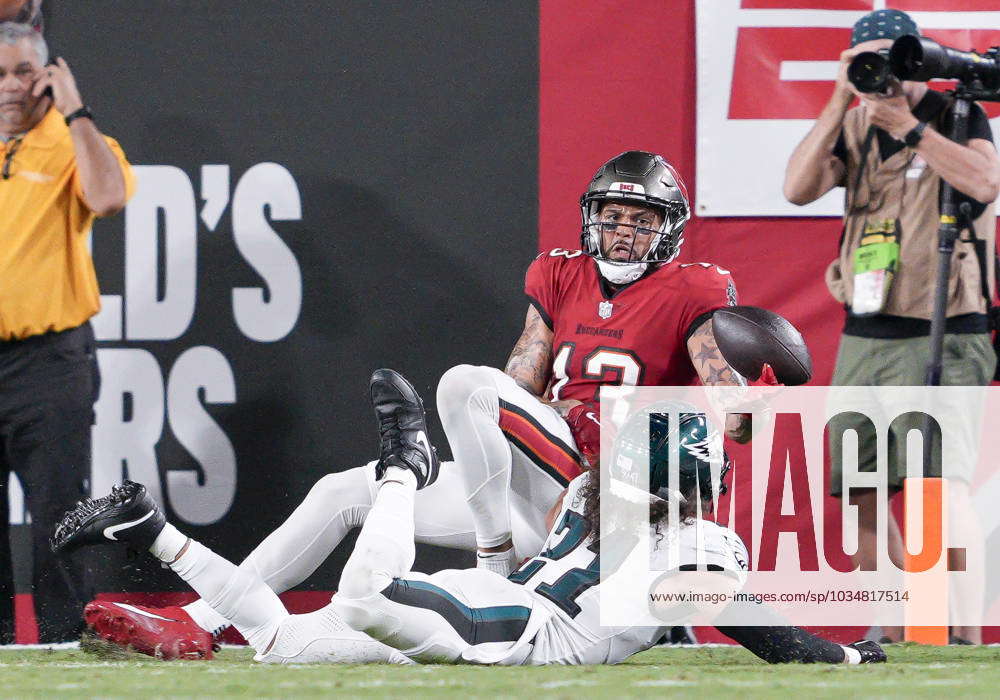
385,548
399,476
235,593
206,617
502,563
851,656
168,543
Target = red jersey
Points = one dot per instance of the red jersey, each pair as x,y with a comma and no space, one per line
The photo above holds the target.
636,336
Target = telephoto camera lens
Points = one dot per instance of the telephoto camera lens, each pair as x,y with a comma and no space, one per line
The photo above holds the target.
869,71
922,59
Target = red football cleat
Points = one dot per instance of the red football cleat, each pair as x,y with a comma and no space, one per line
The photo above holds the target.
163,633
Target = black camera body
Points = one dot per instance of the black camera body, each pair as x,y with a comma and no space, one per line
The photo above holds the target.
870,71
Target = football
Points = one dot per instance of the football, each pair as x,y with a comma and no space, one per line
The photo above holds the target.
749,337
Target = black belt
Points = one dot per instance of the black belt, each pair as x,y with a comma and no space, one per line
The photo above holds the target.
44,338
898,327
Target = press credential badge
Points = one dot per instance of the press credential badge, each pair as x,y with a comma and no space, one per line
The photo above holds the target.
875,263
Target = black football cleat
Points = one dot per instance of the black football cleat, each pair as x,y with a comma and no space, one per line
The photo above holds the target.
871,652
128,514
402,428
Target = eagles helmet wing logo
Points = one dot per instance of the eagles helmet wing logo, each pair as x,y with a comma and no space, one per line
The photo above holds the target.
604,309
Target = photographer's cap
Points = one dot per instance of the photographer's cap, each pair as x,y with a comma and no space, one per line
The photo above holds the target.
883,24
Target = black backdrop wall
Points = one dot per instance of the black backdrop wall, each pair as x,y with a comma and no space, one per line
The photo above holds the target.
324,188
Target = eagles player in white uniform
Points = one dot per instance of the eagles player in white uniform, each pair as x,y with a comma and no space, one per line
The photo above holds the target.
548,611
474,615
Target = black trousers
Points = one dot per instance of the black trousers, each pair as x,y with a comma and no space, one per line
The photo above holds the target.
48,385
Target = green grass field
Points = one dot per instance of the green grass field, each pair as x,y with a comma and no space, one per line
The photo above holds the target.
701,672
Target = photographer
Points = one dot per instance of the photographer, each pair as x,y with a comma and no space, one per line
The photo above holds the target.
57,172
890,155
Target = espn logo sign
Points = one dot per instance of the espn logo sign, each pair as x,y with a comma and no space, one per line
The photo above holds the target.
766,68
795,68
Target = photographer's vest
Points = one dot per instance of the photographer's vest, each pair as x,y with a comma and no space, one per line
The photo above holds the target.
901,193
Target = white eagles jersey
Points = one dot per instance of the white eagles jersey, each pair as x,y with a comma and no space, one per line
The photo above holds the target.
564,580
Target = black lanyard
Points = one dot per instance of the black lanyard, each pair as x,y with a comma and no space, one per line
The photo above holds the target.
10,157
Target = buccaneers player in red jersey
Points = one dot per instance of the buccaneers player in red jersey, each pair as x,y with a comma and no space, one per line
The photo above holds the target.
619,311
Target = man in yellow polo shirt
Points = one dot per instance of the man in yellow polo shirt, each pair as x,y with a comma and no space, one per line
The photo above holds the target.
57,172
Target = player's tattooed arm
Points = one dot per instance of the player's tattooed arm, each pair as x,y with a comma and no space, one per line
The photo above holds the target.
713,370
707,359
530,362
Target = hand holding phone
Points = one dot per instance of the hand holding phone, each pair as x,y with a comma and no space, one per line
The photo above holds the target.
47,92
56,81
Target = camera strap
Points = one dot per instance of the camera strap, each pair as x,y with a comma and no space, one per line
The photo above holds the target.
866,148
850,193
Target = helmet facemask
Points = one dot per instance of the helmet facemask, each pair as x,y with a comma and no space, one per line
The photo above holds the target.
642,179
661,244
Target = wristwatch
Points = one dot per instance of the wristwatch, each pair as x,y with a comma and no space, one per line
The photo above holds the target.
914,135
82,112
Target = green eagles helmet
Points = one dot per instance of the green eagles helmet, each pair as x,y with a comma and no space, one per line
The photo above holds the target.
700,451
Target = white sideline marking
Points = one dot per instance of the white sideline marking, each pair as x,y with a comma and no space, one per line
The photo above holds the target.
76,645
39,647
567,683
69,664
407,683
845,683
659,683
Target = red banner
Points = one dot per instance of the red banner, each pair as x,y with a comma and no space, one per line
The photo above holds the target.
600,95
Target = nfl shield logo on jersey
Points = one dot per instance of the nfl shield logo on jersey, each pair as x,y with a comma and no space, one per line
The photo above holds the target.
604,309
